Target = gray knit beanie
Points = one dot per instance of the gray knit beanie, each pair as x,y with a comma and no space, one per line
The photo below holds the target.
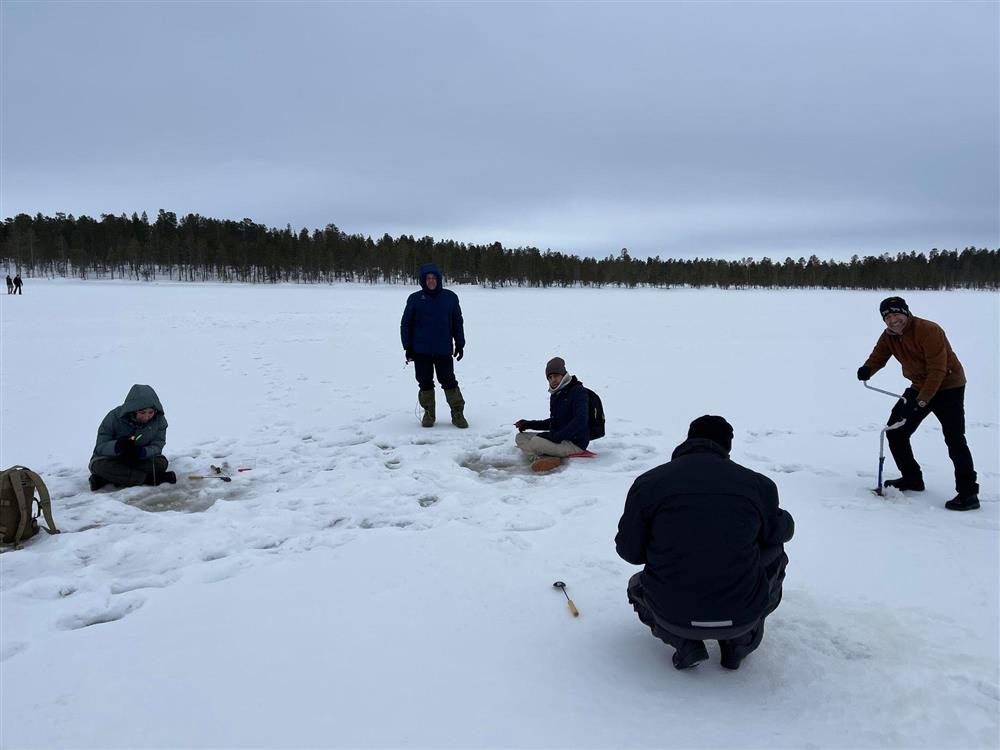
555,366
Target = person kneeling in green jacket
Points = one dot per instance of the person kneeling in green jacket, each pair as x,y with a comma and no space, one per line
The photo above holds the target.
130,440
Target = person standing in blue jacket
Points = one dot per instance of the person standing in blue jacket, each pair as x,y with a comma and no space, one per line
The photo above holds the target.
433,332
567,430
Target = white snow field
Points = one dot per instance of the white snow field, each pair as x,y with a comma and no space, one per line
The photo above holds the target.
370,583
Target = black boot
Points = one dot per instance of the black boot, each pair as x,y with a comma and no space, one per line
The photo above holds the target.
736,650
967,501
163,477
904,484
690,654
96,482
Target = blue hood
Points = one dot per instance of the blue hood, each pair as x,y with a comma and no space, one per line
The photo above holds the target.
427,268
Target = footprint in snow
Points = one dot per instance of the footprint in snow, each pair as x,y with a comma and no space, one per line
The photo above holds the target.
11,649
154,582
528,519
843,433
100,615
359,439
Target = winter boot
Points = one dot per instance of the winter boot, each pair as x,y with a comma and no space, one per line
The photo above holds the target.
426,399
690,654
96,482
546,463
163,477
457,404
968,501
734,651
906,484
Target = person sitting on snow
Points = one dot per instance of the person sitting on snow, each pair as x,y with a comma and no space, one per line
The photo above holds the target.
566,431
130,440
711,535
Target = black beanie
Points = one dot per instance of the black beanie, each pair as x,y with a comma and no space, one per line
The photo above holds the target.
893,305
713,428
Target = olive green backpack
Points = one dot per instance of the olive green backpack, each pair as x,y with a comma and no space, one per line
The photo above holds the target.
18,486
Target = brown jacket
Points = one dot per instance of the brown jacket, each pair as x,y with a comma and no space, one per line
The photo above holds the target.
925,354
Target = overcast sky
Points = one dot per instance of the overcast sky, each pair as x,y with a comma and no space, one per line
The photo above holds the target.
672,129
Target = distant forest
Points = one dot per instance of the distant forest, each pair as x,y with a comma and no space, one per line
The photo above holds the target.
197,248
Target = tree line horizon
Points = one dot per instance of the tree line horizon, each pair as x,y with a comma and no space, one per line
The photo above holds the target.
198,248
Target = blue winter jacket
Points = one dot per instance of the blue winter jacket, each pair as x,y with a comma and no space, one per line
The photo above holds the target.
569,410
432,320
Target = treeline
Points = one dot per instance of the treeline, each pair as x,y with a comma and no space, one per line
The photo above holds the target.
197,248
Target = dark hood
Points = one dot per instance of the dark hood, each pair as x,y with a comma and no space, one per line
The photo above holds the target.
139,397
427,268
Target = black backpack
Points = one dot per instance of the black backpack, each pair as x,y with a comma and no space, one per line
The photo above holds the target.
595,415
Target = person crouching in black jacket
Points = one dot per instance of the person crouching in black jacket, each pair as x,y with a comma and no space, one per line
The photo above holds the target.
710,535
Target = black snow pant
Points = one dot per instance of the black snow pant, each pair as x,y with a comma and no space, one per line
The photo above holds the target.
426,364
125,473
949,408
740,640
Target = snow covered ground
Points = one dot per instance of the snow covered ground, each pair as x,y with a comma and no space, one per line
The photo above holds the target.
371,583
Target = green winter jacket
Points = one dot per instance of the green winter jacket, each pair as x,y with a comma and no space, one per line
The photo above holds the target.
152,436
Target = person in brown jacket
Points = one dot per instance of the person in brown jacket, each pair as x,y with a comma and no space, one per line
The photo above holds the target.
937,387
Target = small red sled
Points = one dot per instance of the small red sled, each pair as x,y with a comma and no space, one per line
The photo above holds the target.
582,454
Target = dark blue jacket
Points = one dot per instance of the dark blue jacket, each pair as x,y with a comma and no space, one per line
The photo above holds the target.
699,524
431,320
569,411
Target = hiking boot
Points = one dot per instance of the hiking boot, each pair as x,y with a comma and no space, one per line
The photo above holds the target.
968,501
690,654
426,399
546,463
905,484
163,477
96,482
734,651
457,404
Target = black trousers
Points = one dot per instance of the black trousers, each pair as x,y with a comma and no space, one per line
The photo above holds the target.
426,364
949,408
741,640
125,473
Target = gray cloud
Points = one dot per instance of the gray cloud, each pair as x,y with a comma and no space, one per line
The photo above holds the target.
671,129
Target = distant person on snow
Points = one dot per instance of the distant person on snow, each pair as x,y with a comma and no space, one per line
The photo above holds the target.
432,320
10,285
18,284
937,387
711,535
566,431
130,440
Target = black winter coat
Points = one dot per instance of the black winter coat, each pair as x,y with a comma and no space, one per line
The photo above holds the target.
699,524
569,413
432,319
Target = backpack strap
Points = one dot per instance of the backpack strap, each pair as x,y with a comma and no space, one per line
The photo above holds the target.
13,475
44,501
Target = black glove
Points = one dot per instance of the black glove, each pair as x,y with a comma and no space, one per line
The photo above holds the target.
409,355
126,448
864,372
459,353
